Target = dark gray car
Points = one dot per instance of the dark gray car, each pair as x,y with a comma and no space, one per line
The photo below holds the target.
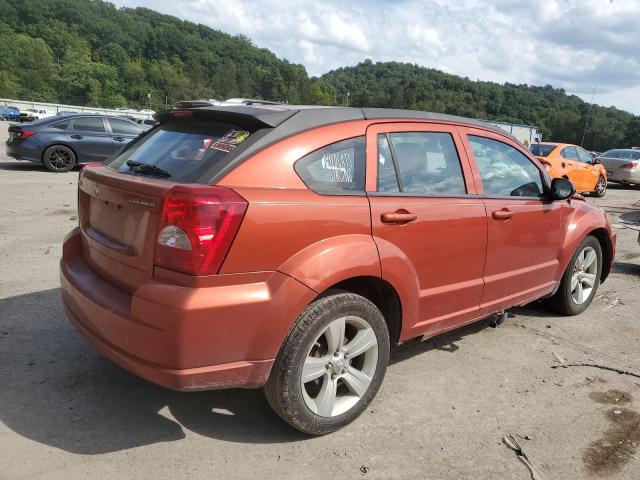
60,143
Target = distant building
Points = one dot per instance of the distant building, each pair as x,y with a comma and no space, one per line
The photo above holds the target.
527,134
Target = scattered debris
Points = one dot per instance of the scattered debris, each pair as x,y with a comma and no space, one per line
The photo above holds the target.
558,358
595,365
512,443
524,437
617,412
611,300
364,469
73,217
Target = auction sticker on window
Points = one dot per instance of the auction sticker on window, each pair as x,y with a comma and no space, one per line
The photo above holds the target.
230,140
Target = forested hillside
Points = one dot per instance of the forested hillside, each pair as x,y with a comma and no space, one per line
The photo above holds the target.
88,52
562,117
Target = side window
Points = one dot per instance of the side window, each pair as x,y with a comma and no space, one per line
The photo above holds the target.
570,153
505,172
335,169
583,156
122,127
60,125
387,177
428,164
88,124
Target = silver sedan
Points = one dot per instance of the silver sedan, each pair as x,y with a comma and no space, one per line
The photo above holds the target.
622,165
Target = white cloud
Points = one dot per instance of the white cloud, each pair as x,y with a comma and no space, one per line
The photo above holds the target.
570,44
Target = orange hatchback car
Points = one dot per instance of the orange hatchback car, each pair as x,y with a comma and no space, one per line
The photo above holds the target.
291,248
563,160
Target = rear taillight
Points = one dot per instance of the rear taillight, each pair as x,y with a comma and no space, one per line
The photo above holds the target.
630,165
25,133
197,228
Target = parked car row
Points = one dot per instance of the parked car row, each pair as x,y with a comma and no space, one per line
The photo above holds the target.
588,172
62,142
10,113
563,160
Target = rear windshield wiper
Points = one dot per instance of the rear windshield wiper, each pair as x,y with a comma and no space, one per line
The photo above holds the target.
147,168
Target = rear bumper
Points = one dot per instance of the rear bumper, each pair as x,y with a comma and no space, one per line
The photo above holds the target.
622,176
183,338
17,152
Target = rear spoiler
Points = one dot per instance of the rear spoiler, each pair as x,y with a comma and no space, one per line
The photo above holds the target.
241,115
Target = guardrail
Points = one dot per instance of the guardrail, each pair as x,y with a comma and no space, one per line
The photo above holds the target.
58,107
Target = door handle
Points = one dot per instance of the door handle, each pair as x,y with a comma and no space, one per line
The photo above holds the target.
119,139
504,214
400,217
76,136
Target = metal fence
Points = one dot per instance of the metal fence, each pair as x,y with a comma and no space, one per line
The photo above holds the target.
57,107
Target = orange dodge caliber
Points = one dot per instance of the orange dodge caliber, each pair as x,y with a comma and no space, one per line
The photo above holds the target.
291,248
563,160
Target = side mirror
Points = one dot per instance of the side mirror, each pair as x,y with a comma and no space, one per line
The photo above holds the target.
561,189
596,160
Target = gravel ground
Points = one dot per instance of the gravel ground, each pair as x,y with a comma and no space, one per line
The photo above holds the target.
67,413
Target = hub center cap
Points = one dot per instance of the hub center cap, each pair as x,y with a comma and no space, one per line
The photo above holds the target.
338,364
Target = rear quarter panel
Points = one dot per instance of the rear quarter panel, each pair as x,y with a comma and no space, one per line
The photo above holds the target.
319,240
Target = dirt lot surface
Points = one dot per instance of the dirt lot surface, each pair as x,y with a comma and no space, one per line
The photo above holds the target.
67,413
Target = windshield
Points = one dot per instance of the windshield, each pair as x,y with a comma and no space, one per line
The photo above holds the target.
542,149
187,150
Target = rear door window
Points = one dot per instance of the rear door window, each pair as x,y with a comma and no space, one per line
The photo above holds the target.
122,127
60,125
336,169
542,149
428,164
88,124
188,150
505,172
387,176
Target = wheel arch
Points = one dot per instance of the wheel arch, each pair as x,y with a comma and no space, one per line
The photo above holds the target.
379,292
607,250
64,144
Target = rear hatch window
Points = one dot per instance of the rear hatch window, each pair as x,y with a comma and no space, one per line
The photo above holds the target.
183,150
542,150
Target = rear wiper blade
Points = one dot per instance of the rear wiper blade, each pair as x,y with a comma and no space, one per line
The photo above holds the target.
147,168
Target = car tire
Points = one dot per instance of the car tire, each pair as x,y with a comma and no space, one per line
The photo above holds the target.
59,158
581,279
339,387
601,187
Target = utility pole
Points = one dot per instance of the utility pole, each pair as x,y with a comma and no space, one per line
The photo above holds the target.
586,123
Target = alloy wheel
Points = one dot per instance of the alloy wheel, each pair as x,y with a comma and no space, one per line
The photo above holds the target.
601,187
60,158
584,274
339,366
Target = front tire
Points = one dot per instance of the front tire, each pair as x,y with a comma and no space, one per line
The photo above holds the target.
331,365
581,279
59,158
601,187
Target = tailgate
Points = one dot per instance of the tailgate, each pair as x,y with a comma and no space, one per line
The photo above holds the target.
118,216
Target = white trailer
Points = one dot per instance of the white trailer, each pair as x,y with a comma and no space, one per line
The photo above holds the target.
526,134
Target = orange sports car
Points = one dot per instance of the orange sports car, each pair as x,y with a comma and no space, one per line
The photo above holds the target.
563,160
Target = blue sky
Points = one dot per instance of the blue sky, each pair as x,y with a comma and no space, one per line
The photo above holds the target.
570,44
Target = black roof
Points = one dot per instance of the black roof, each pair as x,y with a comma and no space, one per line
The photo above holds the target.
276,122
